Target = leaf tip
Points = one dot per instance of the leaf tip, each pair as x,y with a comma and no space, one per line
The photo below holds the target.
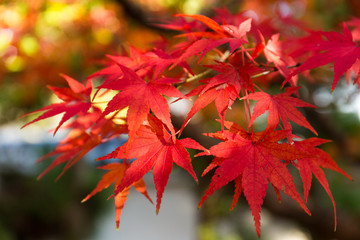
200,203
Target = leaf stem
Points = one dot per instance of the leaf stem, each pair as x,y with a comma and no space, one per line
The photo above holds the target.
246,112
197,76
272,69
258,87
249,112
262,74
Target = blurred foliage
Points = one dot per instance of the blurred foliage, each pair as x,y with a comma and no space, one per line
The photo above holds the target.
40,39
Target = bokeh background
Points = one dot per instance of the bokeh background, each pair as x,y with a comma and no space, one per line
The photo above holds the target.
39,39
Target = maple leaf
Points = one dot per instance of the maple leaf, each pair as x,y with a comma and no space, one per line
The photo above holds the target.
71,150
229,32
354,73
76,100
115,175
213,25
144,63
180,24
154,148
141,96
202,46
222,34
136,61
223,88
253,161
312,165
239,31
280,106
274,52
337,48
83,137
160,60
355,23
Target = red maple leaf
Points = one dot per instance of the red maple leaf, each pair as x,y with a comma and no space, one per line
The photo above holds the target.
222,34
115,175
83,137
154,148
142,62
337,48
70,150
213,25
180,24
76,100
355,23
141,96
253,161
281,106
229,32
223,88
136,61
274,52
313,163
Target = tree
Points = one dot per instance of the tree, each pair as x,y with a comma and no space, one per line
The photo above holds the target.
232,62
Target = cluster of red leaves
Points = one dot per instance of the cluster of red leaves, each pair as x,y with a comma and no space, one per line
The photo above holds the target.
238,50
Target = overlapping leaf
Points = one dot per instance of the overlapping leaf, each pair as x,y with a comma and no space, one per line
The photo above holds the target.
136,61
274,52
83,137
224,88
144,63
281,106
154,148
76,100
233,35
141,96
252,162
337,48
313,163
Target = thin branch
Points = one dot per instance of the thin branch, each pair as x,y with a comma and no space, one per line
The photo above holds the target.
273,69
